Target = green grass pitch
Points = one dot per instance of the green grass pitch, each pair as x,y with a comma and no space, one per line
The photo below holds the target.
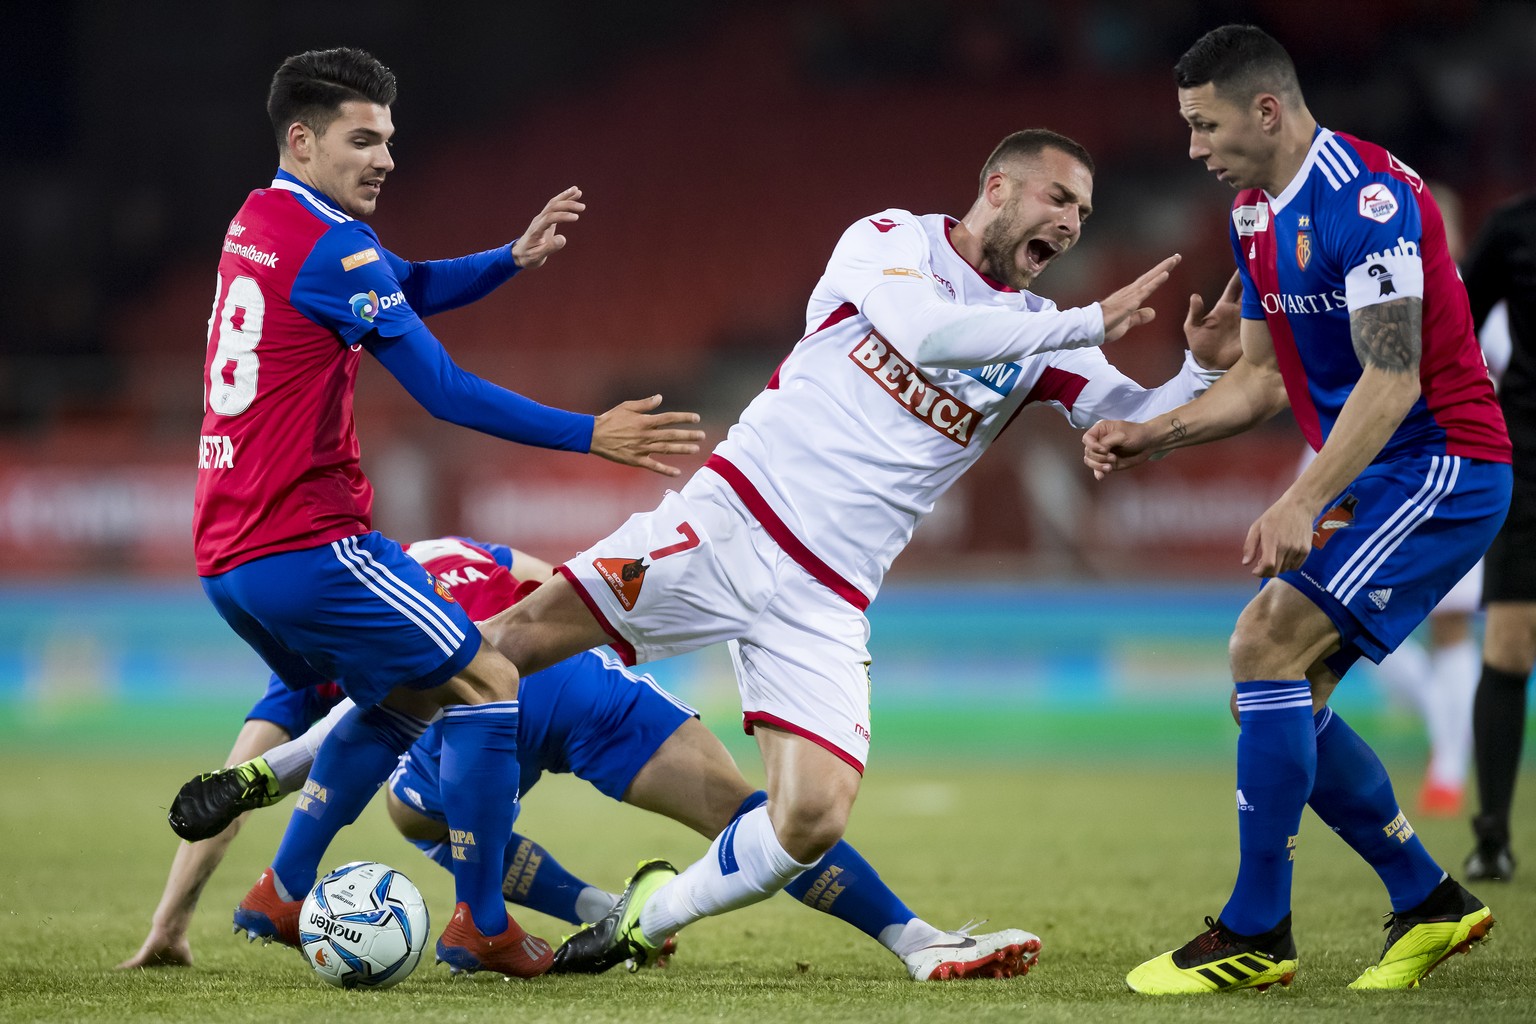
1109,860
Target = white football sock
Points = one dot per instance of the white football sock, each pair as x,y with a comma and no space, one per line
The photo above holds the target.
905,939
291,761
593,904
1455,670
759,866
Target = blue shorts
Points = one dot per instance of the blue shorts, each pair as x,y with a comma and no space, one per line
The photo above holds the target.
359,612
587,715
294,711
1391,546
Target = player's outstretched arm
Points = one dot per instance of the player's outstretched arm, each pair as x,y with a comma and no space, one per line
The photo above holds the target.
167,945
1248,393
543,238
632,435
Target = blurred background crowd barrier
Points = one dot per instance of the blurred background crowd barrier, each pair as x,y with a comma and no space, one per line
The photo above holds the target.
722,150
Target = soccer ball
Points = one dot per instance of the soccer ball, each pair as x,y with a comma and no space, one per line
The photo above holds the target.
363,924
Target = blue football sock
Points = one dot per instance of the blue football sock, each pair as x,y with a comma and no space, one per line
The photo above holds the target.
353,760
536,880
844,885
479,773
1276,760
437,850
1354,797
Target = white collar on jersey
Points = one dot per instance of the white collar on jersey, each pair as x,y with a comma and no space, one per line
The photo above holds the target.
325,209
1327,155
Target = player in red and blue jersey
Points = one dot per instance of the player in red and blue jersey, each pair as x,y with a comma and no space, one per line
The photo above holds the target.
588,715
1354,315
284,543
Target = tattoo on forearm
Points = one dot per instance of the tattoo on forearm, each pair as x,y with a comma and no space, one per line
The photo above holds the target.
1178,430
1388,335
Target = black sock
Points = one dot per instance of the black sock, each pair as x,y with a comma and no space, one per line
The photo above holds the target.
1498,728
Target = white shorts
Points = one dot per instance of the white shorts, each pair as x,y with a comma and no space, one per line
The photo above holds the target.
700,570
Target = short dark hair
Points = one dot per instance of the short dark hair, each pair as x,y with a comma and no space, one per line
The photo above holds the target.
1029,143
1241,61
310,88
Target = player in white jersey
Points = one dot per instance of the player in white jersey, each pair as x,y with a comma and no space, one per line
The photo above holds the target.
921,345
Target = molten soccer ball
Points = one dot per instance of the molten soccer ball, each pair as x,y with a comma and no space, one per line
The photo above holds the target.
363,924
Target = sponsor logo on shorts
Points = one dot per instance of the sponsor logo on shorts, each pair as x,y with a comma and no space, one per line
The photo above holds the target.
1334,520
1242,802
624,577
360,259
1379,598
1377,203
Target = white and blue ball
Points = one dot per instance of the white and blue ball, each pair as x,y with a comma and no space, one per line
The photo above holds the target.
364,924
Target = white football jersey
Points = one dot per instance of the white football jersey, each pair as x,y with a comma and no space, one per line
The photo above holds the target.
852,442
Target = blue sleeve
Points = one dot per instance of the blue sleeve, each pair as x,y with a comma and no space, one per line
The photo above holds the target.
1372,215
435,286
348,285
419,362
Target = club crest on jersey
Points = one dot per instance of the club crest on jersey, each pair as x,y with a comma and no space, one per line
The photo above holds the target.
905,383
441,588
1377,203
624,576
1303,242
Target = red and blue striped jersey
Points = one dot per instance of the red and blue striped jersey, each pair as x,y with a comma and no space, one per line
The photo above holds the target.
1356,227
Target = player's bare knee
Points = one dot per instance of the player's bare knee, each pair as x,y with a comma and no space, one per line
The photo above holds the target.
488,678
411,824
808,828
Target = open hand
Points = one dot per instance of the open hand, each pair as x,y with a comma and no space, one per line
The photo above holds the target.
1212,334
630,434
1124,310
543,239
